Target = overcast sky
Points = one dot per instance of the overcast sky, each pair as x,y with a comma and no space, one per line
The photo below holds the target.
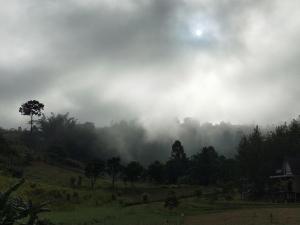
106,60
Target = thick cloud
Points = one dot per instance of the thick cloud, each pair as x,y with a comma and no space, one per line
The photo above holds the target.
107,60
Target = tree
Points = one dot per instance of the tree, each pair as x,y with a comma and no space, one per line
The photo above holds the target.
133,171
31,108
66,138
4,146
177,165
253,161
93,170
178,151
113,167
155,171
204,166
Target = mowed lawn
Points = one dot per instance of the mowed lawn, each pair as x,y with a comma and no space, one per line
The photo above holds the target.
280,216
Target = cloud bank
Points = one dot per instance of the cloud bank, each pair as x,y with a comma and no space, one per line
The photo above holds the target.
151,60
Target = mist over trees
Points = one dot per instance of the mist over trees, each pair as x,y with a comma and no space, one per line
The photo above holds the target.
62,136
133,141
189,153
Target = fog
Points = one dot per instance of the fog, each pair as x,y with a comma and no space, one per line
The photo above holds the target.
151,60
132,141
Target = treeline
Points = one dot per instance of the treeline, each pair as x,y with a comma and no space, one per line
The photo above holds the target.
259,155
60,135
203,168
62,139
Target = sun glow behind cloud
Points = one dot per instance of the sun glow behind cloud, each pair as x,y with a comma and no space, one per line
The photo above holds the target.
151,59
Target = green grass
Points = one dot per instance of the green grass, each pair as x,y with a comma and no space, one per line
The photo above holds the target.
97,207
155,214
115,215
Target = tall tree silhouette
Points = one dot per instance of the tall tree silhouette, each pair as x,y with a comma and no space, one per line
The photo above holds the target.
178,151
93,170
156,171
31,108
177,165
133,171
113,168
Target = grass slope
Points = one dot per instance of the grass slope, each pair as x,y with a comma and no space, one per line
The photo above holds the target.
82,206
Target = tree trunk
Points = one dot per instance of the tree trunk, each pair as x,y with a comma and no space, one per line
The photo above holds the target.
113,182
93,182
31,122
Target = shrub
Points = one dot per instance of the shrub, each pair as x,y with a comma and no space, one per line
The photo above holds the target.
16,172
79,181
198,193
145,197
171,201
15,210
68,197
55,194
113,197
73,182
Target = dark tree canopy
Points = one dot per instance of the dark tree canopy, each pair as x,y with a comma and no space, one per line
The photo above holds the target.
31,108
178,151
65,138
156,171
93,170
113,167
176,167
133,171
204,166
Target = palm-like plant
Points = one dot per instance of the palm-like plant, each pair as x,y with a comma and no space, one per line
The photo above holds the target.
13,210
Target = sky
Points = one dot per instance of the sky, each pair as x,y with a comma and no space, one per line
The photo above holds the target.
151,60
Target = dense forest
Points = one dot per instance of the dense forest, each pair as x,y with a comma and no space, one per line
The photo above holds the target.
128,139
124,151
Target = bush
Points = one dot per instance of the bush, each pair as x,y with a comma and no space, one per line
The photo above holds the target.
55,194
113,197
79,181
184,180
171,201
73,182
68,197
198,193
16,172
15,210
214,195
145,198
44,222
76,197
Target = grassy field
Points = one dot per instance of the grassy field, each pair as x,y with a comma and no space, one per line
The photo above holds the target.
82,206
264,216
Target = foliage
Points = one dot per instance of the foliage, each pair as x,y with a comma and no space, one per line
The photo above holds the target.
145,197
65,138
260,155
177,165
113,168
133,171
178,151
155,172
13,210
93,170
31,108
171,201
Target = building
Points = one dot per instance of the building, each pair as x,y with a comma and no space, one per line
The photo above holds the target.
286,182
